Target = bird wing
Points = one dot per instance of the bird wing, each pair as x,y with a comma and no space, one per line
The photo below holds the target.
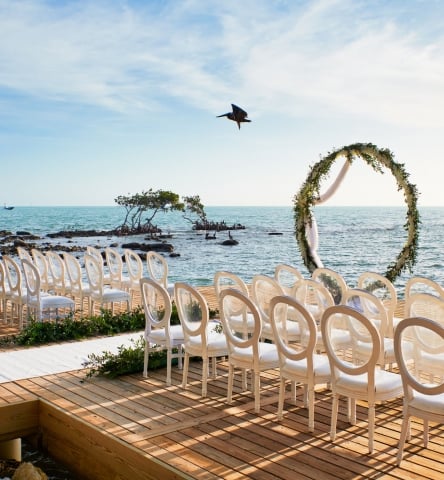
238,112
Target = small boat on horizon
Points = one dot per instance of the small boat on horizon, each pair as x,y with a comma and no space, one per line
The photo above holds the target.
8,208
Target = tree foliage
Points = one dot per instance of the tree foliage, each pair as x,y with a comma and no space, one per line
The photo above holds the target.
194,209
141,208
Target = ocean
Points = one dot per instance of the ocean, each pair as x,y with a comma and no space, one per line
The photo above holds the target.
351,239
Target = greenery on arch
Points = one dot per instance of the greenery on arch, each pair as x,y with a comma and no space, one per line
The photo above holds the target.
378,159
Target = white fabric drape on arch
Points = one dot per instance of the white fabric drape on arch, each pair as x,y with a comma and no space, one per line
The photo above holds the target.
312,230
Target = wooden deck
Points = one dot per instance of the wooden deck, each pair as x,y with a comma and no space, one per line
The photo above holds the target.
138,428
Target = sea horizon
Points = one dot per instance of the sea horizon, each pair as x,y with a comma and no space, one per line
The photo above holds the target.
352,239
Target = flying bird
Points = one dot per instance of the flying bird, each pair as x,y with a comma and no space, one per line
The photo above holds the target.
237,115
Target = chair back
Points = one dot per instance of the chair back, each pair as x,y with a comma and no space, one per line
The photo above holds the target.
134,266
313,295
287,275
231,301
4,289
157,268
425,305
193,312
94,272
280,319
32,280
384,289
418,284
427,337
264,288
370,306
115,265
362,331
41,262
224,279
94,252
333,281
157,306
13,276
58,272
24,254
74,272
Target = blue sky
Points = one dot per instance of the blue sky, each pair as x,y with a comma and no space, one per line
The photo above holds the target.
105,98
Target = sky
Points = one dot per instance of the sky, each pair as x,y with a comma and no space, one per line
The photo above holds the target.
112,97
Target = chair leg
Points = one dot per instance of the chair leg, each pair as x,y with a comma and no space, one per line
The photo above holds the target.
204,376
352,411
230,383
334,416
293,392
145,359
426,433
310,395
404,430
306,399
280,412
371,426
186,362
214,367
257,392
169,359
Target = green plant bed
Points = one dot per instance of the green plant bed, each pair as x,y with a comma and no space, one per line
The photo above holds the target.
68,329
127,360
39,333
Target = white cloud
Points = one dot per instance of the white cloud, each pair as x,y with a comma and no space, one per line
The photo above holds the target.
298,58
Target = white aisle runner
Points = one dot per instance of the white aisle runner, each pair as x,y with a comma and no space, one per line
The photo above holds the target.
63,357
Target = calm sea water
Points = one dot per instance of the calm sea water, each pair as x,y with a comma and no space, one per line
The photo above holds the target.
351,239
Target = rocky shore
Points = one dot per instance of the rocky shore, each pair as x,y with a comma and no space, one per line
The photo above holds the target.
65,241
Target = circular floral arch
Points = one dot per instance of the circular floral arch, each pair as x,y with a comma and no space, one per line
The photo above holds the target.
309,195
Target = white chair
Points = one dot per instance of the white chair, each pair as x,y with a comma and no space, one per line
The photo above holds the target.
263,289
201,337
425,305
315,298
80,290
24,254
384,289
246,353
43,304
372,307
298,361
364,381
333,281
57,268
224,280
114,262
423,394
4,291
419,284
428,306
97,254
61,284
287,275
16,287
158,270
134,266
100,293
41,262
159,334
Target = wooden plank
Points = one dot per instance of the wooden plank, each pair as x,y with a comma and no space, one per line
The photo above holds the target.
207,438
19,419
93,453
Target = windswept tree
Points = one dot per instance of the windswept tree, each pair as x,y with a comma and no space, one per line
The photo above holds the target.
141,208
194,209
